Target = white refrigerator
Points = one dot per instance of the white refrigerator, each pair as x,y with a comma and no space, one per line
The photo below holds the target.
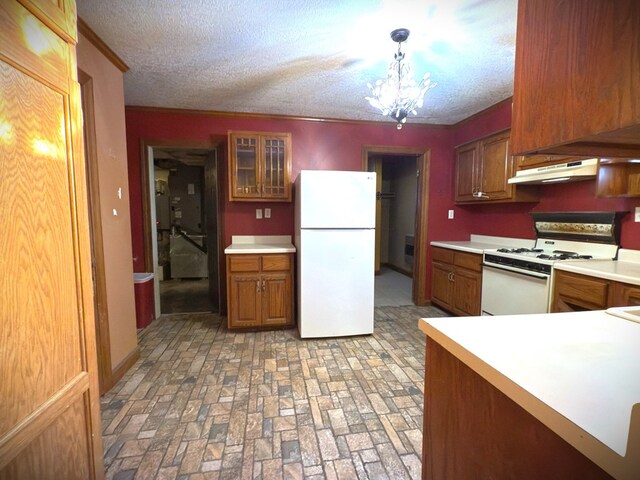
335,242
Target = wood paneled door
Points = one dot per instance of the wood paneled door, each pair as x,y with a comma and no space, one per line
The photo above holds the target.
49,417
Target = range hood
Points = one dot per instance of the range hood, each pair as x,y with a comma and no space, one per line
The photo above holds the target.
564,172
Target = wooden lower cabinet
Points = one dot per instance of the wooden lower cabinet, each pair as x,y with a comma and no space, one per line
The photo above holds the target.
260,290
456,281
574,292
625,295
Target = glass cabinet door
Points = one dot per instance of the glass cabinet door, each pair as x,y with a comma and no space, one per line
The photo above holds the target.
274,167
246,175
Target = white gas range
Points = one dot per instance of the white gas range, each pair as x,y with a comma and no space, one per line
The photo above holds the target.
518,280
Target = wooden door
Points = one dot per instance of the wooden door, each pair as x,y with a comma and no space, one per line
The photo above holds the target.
277,299
49,416
442,283
496,167
244,307
466,172
467,292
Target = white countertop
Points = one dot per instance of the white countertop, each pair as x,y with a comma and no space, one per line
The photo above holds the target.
480,243
626,269
578,373
261,244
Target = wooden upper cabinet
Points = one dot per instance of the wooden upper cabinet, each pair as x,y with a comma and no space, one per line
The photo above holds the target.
577,82
483,169
497,167
259,166
466,175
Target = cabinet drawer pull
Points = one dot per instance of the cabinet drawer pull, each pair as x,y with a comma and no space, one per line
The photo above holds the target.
258,286
263,285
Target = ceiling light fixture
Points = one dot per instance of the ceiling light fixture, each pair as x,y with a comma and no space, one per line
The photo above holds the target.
399,94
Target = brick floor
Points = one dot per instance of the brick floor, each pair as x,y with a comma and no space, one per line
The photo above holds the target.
206,403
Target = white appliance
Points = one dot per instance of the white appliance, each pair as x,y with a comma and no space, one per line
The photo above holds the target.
335,242
518,280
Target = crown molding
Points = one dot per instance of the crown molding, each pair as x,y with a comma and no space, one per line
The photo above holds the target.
97,42
267,116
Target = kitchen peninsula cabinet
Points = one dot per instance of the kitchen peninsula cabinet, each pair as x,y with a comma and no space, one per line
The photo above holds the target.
259,167
483,168
456,280
260,290
576,78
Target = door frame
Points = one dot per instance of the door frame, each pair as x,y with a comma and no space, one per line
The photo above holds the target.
103,338
145,143
423,160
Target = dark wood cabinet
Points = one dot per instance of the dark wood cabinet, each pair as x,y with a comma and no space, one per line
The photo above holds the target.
576,78
625,295
483,169
456,281
618,178
259,167
574,292
260,290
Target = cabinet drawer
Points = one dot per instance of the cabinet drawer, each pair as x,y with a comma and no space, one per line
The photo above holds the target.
579,287
443,255
471,261
244,263
276,263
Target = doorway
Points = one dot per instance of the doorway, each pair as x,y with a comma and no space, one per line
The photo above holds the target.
401,222
182,231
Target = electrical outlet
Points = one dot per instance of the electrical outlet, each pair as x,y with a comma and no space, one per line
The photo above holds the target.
637,217
267,213
258,213
450,215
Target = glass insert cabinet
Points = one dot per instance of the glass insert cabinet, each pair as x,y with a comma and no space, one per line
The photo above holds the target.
259,166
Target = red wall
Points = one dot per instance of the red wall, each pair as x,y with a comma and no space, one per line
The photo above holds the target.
316,145
338,145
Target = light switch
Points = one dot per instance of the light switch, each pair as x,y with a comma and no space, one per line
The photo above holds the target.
267,213
258,213
637,217
450,215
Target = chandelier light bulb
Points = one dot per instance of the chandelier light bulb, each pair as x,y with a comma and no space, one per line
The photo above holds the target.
399,94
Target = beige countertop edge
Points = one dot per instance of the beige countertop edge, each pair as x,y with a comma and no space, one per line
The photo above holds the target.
466,246
241,249
624,468
625,272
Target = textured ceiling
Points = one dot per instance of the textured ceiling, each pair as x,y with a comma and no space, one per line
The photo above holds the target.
309,58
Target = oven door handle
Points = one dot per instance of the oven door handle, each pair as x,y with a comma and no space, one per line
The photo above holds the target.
516,270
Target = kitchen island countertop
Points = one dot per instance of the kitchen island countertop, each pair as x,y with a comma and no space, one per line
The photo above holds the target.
626,269
479,243
578,373
260,244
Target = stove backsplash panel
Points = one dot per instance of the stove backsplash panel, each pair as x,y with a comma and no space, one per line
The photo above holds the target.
597,227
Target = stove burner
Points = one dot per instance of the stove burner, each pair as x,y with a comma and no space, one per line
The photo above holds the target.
564,256
520,250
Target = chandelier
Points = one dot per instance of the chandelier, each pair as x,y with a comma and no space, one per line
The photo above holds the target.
399,94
